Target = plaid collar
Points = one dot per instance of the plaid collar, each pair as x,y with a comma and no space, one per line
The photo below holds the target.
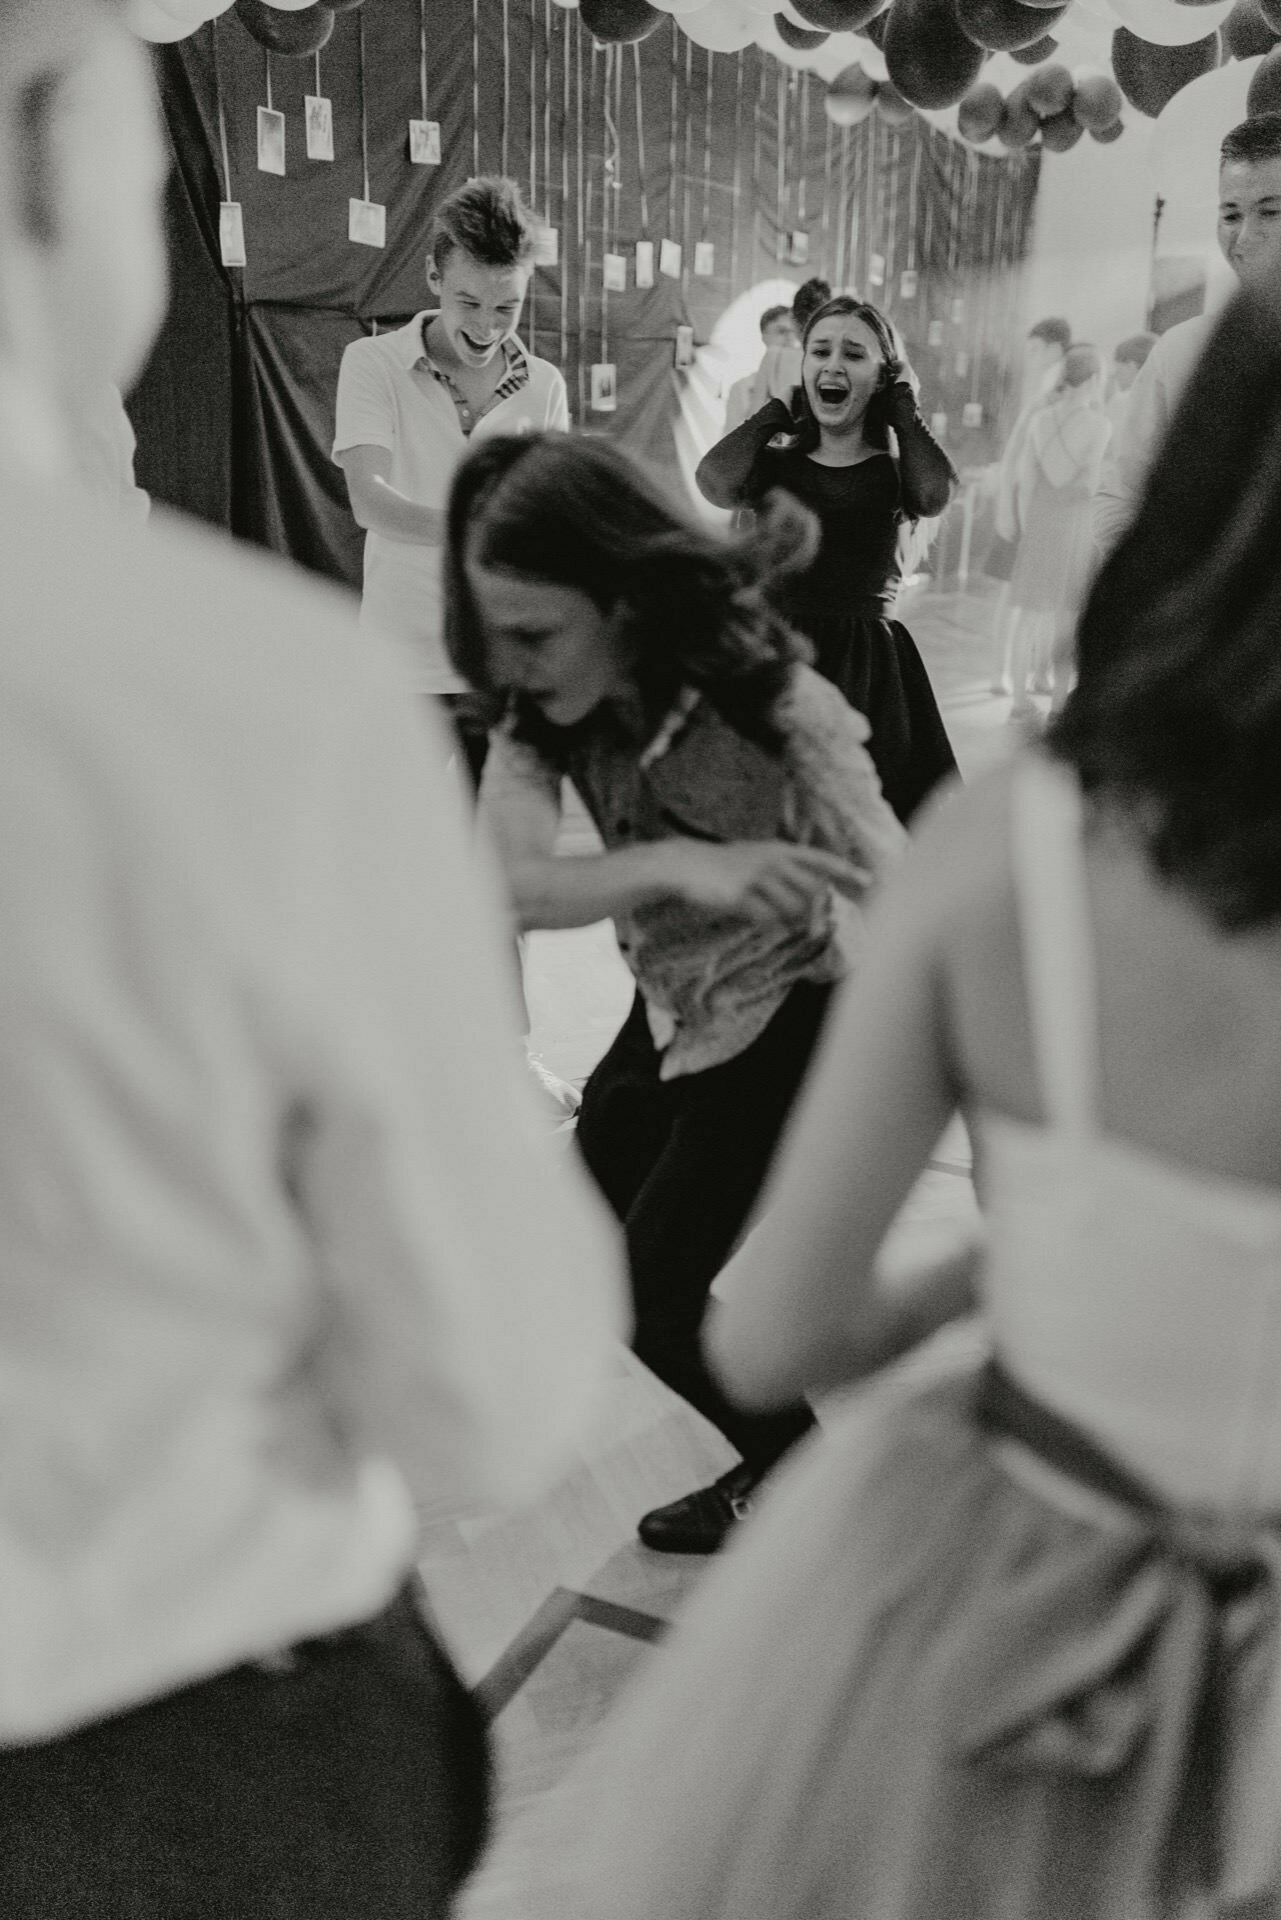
515,375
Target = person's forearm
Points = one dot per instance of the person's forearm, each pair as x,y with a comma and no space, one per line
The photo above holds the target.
927,477
725,473
551,890
381,508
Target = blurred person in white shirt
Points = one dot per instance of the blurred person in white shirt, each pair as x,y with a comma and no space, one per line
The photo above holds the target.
1249,238
778,329
283,1261
1044,351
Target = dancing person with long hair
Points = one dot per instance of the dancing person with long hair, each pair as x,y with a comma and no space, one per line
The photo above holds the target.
834,456
1003,1641
639,654
1059,470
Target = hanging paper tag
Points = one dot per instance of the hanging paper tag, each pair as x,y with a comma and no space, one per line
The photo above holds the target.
909,280
320,126
938,425
231,234
972,416
684,354
669,259
958,311
604,387
798,247
934,333
367,223
424,143
271,140
876,270
962,364
704,259
644,263
546,246
615,273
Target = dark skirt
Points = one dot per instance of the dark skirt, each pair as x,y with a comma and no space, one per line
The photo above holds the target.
875,663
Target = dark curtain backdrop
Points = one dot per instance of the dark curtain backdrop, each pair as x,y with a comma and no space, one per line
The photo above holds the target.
234,415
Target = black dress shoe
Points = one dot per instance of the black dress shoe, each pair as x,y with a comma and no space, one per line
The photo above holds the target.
702,1521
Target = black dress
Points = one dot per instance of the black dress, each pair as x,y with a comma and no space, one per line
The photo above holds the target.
842,602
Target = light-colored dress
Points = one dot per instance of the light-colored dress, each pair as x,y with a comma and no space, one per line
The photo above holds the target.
1062,459
1001,1646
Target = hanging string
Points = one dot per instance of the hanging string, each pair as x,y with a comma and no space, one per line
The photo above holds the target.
914,203
707,145
532,308
267,60
586,266
641,174
780,151
364,104
805,148
686,261
891,238
671,131
609,177
826,223
475,85
582,218
422,59
547,109
758,142
564,204
317,70
222,116
840,276
737,178
507,83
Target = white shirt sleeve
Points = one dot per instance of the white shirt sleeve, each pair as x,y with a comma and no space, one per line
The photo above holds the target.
364,413
474,1278
1133,450
558,404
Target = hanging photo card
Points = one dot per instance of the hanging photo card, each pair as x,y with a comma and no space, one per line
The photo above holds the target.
271,140
876,270
962,364
644,263
938,425
231,234
546,246
909,281
798,247
704,259
319,114
424,143
604,387
669,259
684,353
958,311
934,333
615,270
972,416
367,223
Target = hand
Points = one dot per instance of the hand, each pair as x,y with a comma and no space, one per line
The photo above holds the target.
764,879
782,371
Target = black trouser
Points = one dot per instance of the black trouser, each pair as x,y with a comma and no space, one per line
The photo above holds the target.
682,1162
349,1782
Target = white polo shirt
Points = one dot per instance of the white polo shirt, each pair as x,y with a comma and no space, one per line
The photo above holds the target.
389,397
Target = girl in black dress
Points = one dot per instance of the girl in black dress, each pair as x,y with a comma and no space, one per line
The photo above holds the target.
831,451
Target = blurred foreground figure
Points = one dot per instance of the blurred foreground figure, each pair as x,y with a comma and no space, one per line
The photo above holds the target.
256,1297
1002,1642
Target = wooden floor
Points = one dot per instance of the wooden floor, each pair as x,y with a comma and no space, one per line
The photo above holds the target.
549,1612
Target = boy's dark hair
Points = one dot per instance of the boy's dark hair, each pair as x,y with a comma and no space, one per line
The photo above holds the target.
487,220
1134,349
579,513
1176,716
1055,332
771,314
808,298
1258,138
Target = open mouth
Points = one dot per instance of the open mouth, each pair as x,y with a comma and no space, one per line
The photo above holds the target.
831,391
476,346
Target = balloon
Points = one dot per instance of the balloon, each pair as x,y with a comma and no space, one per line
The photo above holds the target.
1049,91
302,31
288,6
979,114
1004,24
893,109
152,22
1164,24
1247,31
722,27
344,6
1271,11
1061,131
615,23
850,98
1150,76
1039,50
876,28
800,37
1019,124
930,60
1184,155
1097,101
838,16
1109,134
192,13
1265,88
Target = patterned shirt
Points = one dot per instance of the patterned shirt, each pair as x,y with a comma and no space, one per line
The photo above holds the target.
514,378
713,981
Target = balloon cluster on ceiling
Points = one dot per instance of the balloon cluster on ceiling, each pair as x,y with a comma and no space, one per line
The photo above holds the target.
998,73
291,27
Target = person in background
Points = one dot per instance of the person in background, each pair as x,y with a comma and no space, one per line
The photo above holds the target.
1129,357
641,656
778,329
1001,1641
1249,237
833,454
1043,351
410,403
779,375
284,1260
1063,451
